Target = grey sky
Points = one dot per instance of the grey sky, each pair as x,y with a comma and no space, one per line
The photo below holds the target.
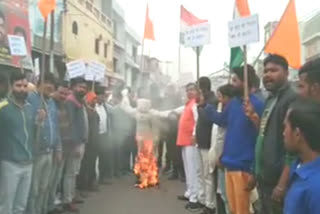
166,17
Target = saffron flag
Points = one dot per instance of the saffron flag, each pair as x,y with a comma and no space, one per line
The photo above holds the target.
241,9
148,28
187,19
46,7
285,40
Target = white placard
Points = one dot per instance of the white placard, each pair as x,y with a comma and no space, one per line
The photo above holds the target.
17,45
197,35
76,68
244,31
95,71
37,67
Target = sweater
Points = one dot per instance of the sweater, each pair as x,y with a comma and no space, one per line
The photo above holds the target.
241,133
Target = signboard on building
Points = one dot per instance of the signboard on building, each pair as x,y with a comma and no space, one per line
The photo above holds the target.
197,35
244,31
76,68
17,45
14,20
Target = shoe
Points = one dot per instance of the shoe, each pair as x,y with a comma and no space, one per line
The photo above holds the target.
93,189
77,201
183,198
194,207
70,208
57,210
166,170
183,179
207,210
173,177
105,182
84,194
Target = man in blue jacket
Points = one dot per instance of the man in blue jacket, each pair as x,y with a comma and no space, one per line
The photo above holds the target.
78,118
46,143
301,136
16,134
241,133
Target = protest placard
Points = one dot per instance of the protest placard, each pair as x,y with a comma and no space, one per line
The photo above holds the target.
95,71
244,31
197,35
76,68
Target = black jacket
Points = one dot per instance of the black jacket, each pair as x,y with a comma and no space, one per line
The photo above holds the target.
274,155
204,125
79,120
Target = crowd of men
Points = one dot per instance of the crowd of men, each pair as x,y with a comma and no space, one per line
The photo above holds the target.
237,154
257,153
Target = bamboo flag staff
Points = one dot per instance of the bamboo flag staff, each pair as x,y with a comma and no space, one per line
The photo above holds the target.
46,7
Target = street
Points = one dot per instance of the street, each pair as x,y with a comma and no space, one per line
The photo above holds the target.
122,198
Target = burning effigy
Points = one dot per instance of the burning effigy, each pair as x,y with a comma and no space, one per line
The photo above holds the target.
145,167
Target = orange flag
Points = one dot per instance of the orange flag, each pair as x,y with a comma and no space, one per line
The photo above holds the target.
285,40
148,28
46,7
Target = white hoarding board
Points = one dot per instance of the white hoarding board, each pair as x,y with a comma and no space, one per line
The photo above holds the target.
244,31
197,35
76,69
17,45
95,71
37,67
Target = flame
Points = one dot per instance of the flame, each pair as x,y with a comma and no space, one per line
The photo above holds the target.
146,166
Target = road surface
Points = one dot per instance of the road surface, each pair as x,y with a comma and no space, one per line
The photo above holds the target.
122,198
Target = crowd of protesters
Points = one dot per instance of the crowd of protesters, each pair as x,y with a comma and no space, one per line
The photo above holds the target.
237,154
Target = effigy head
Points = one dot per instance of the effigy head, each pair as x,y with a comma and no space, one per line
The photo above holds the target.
143,105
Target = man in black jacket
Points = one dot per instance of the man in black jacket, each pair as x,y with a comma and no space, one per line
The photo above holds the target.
105,145
272,165
206,193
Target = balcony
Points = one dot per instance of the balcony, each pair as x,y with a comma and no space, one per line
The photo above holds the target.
97,13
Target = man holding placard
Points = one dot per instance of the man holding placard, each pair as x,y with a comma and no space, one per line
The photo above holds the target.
241,133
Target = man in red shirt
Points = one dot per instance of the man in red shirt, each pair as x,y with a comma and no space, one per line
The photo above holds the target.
186,140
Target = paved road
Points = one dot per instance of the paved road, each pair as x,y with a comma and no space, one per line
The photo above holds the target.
122,198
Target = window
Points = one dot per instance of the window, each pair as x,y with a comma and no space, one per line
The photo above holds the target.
106,50
75,28
97,46
115,63
134,53
115,30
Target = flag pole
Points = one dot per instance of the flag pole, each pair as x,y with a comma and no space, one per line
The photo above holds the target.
52,42
179,59
42,72
43,65
198,62
142,57
246,89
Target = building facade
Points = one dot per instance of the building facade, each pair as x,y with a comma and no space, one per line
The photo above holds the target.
88,33
132,65
311,37
119,39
